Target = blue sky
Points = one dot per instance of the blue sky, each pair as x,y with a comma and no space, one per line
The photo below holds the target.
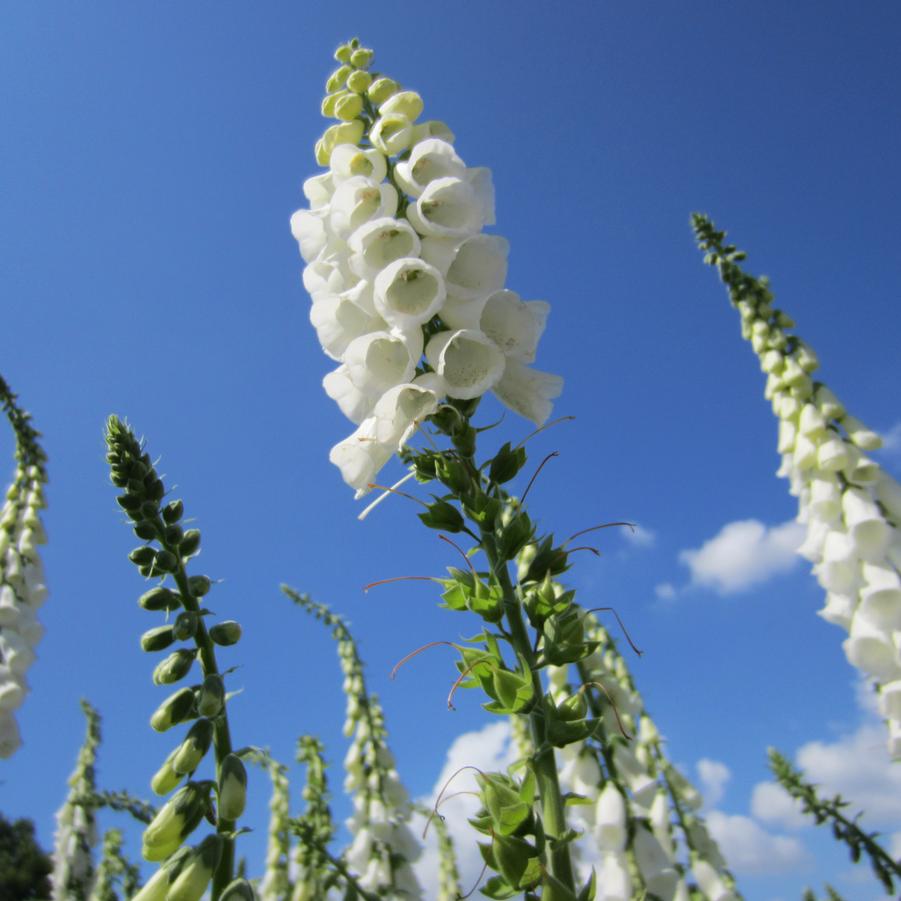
151,156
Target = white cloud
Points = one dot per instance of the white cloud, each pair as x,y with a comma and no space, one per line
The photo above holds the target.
858,767
891,440
772,804
641,537
742,554
751,849
488,749
665,591
713,776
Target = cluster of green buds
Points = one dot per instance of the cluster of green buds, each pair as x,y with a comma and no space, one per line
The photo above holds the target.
275,884
635,806
383,847
163,557
22,588
353,93
76,826
850,506
114,873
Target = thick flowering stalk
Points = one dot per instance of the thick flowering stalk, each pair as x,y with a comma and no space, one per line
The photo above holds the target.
448,874
114,870
314,874
22,588
185,873
408,293
76,826
383,847
850,505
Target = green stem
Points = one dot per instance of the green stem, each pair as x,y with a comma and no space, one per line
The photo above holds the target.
544,764
222,742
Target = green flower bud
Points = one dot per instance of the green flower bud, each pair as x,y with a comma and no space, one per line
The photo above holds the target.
193,749
173,534
359,82
149,510
177,708
185,625
348,107
200,585
176,819
344,133
226,633
157,639
328,105
211,696
338,78
155,490
145,530
176,666
343,53
232,788
165,778
165,562
361,58
322,153
434,128
173,511
155,888
128,502
195,874
381,89
143,555
239,890
190,543
160,599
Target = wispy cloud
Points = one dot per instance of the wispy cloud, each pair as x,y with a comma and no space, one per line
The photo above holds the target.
641,537
750,849
713,775
742,554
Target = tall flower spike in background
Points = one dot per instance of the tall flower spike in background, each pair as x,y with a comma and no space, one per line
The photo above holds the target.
408,293
185,872
383,846
850,505
22,588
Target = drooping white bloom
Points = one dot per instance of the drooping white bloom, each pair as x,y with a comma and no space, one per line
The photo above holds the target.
468,361
378,243
348,160
514,325
450,208
359,200
338,320
429,159
527,391
408,293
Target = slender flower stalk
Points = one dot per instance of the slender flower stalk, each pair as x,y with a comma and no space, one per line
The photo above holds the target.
185,873
849,504
276,882
76,827
845,829
383,848
315,876
22,588
114,871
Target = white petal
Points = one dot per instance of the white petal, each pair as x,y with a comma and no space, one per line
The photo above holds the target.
528,392
467,360
513,325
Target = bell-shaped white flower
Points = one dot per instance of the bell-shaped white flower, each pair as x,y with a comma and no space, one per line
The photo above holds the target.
888,492
839,570
866,525
469,362
478,267
380,360
880,596
659,818
359,200
379,243
361,456
890,700
428,160
805,452
825,497
812,547
449,208
614,882
811,422
610,819
310,233
404,103
528,391
654,864
348,160
788,434
870,649
319,189
514,325
832,453
338,321
400,410
838,609
355,404
710,882
434,128
408,292
864,438
391,133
